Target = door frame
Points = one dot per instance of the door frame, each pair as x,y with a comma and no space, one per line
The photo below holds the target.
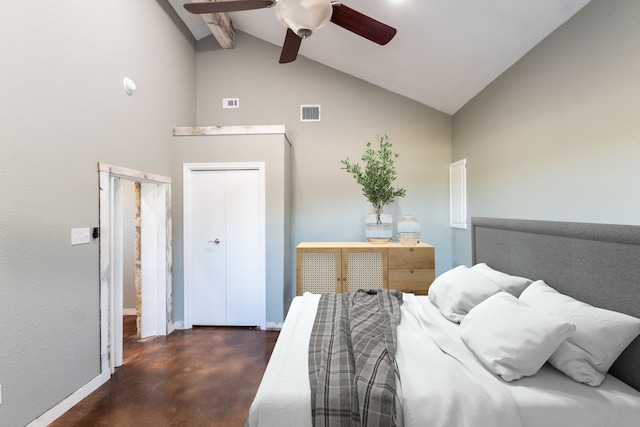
188,169
157,264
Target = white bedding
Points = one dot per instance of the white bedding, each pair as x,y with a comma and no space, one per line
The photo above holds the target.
440,388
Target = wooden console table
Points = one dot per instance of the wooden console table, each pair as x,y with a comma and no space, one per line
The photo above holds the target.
323,267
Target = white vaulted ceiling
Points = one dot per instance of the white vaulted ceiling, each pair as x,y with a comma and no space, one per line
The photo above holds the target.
445,51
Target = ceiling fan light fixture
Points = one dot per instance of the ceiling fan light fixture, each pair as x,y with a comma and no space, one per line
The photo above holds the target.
304,17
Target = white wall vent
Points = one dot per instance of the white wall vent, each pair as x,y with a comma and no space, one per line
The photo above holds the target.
230,102
309,113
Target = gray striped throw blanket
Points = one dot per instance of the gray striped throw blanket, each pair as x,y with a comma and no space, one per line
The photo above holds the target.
352,359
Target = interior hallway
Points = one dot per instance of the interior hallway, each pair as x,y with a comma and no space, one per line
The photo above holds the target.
206,376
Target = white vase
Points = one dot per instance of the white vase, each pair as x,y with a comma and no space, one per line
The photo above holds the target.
378,230
408,231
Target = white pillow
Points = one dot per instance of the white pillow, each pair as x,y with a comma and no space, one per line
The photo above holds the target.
512,284
601,335
458,290
510,338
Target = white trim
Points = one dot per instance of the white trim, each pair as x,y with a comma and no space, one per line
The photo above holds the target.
132,174
117,268
187,169
106,174
227,130
458,194
57,411
178,325
106,195
274,325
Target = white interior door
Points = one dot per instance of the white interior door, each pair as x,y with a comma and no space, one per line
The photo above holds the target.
153,304
117,272
243,247
208,240
225,247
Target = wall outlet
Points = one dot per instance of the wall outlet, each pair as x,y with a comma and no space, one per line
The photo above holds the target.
80,236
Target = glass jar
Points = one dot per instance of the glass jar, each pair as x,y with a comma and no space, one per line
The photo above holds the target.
378,230
408,231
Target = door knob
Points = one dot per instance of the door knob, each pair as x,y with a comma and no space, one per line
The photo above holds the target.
214,241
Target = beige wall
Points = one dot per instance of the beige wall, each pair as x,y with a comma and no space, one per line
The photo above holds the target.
63,109
327,203
557,136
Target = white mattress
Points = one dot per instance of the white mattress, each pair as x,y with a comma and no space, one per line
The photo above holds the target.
440,388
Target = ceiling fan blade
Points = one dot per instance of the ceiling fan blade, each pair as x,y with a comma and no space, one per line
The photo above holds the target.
290,47
226,6
362,25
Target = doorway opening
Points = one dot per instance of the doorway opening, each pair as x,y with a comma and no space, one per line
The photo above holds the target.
153,254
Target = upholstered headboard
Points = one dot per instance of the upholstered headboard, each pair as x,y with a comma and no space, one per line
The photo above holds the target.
595,263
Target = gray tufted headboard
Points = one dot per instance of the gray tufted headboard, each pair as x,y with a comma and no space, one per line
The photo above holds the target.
595,263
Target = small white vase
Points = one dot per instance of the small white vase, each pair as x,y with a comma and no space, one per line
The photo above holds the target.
378,230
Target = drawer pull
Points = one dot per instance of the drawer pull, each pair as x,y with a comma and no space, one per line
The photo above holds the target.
411,271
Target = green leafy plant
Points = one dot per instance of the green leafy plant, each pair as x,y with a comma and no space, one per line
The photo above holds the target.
378,174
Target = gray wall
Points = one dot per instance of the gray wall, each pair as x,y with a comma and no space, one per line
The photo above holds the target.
327,202
63,109
557,136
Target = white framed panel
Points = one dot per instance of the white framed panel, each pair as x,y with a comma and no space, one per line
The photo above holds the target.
458,194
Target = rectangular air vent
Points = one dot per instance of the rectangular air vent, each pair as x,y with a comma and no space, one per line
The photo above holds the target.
230,103
309,113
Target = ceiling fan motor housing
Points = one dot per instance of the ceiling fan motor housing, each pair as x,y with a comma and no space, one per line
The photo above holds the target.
303,17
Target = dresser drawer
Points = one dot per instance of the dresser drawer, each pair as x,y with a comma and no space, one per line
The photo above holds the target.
411,257
411,280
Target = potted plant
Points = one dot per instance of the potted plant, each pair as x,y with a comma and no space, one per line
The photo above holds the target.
376,179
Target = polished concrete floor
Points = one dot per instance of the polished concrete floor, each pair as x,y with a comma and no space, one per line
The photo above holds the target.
206,376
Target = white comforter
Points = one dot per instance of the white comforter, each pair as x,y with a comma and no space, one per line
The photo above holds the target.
440,382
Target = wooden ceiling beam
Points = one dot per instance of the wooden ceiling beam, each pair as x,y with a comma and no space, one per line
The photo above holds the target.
222,29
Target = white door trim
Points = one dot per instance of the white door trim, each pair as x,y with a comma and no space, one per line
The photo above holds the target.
187,169
116,256
161,259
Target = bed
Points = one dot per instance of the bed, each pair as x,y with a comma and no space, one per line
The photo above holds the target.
441,382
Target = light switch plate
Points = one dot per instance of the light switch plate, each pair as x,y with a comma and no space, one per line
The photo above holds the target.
80,236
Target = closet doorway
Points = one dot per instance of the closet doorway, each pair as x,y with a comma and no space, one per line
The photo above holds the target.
153,265
224,232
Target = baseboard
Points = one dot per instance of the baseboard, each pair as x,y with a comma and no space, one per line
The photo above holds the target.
270,325
274,325
129,311
57,411
178,325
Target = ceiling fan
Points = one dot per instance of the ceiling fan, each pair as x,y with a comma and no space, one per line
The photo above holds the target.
302,18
